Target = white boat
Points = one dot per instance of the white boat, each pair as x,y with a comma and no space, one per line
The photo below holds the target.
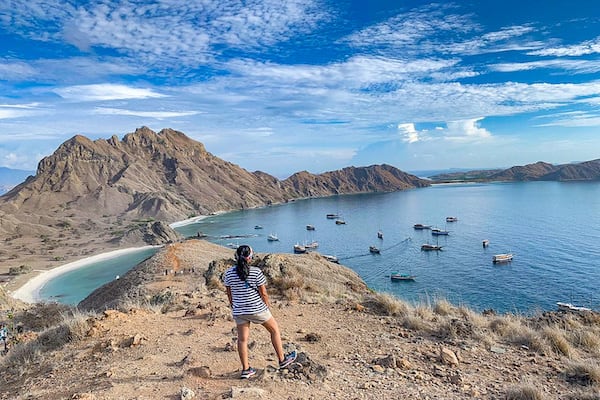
312,245
332,216
380,234
374,249
258,227
430,247
451,219
310,227
438,231
485,243
502,258
570,307
330,258
395,276
272,237
340,222
299,249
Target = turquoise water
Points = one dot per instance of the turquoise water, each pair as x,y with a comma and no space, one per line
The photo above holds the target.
73,286
552,229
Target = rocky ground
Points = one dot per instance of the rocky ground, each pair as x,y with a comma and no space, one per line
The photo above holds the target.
176,340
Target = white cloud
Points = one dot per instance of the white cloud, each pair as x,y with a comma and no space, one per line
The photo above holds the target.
581,49
145,114
408,132
466,130
106,91
568,65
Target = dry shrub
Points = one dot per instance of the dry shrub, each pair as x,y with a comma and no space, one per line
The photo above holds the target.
415,323
506,326
525,391
557,340
443,307
42,316
590,394
585,373
478,320
454,328
424,312
586,339
385,304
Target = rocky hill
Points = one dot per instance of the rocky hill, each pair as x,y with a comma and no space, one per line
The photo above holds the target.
171,336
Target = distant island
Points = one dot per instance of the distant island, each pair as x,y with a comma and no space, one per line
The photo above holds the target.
539,171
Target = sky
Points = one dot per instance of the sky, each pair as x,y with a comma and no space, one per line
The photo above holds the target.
285,86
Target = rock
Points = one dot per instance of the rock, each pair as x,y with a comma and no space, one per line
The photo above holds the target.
83,396
387,362
186,393
447,356
248,393
403,363
312,337
378,368
498,350
200,372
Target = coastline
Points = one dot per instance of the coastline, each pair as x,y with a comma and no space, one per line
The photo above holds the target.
29,292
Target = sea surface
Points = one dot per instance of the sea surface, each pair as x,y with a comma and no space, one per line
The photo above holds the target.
551,228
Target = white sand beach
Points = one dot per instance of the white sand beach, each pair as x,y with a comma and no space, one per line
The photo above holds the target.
29,292
187,221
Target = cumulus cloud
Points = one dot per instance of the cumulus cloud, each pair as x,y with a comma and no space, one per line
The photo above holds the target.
408,132
464,130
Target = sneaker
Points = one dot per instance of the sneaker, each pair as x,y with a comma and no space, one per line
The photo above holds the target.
289,358
247,373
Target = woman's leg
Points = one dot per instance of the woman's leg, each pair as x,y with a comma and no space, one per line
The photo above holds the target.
273,329
243,331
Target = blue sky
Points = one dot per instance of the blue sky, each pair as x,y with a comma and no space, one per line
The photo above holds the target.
285,86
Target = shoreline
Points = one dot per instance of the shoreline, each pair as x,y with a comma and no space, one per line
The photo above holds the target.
29,292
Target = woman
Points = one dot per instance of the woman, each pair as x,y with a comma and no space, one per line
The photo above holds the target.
249,301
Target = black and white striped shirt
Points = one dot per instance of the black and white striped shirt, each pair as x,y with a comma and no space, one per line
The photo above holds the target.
246,299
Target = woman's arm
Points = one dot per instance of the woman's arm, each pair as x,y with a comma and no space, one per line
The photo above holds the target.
262,291
229,295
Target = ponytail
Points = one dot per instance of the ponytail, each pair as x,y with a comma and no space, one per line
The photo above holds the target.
243,255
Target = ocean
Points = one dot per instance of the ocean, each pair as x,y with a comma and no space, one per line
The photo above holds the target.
551,228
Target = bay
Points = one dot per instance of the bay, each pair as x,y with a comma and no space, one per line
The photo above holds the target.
550,227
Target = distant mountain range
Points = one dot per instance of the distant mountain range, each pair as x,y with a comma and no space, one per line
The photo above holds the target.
539,171
10,178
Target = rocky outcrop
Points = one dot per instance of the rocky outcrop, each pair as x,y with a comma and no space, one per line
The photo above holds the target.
151,233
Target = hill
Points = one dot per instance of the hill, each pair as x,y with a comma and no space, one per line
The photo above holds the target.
172,337
9,178
539,171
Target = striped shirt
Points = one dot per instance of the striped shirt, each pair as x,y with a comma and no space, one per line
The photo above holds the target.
245,297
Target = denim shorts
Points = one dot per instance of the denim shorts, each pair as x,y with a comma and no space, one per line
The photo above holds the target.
259,318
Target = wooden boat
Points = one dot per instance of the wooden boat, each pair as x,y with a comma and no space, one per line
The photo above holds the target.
379,234
272,237
299,249
502,258
340,222
430,247
438,231
421,226
374,249
310,227
395,276
485,243
451,219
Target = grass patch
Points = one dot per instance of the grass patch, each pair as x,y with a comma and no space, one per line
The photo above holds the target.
584,373
526,391
385,304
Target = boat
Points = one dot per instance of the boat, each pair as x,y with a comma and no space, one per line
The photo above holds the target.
374,249
258,227
438,231
421,226
485,243
380,234
571,308
395,276
331,258
310,227
502,258
451,219
312,245
272,237
332,216
430,247
340,222
299,249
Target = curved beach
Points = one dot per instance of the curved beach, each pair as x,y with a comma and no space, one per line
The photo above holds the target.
29,292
